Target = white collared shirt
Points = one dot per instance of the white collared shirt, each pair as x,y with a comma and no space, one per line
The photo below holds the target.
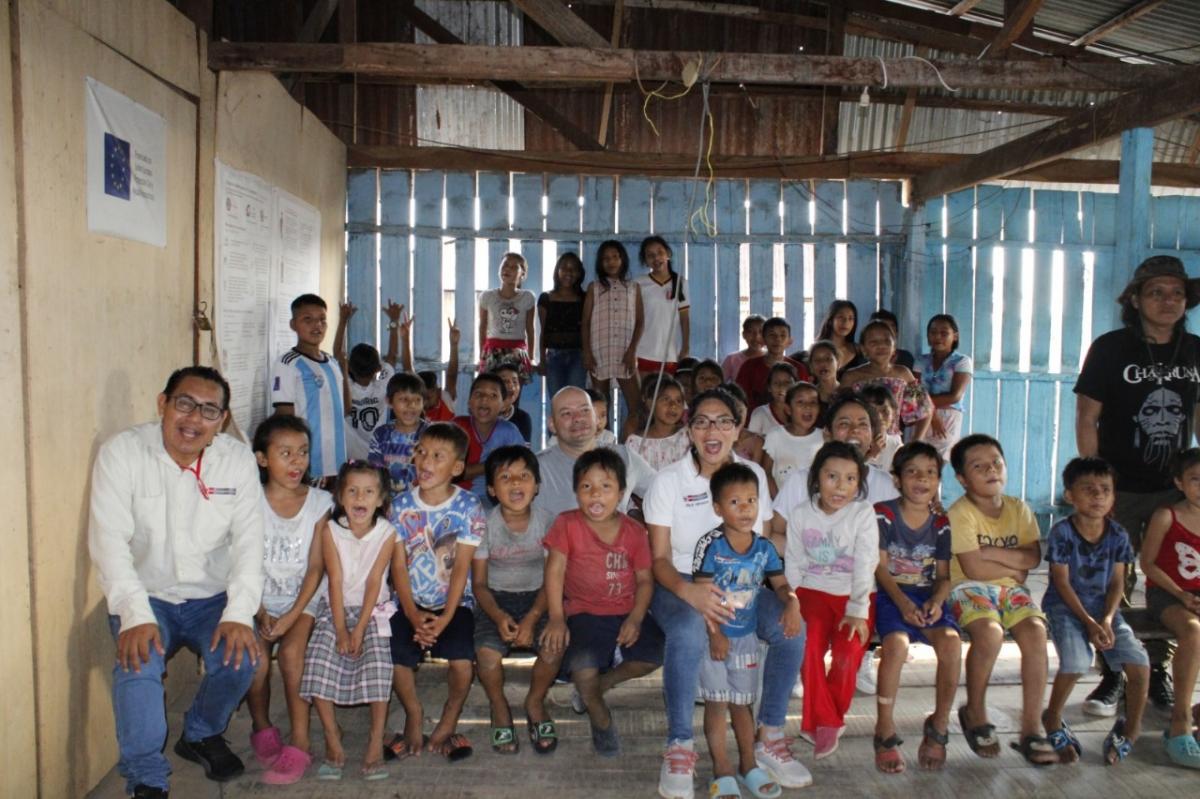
153,532
679,498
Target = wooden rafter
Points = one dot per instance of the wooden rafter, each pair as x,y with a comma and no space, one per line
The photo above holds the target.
963,6
562,23
518,92
1119,21
1173,98
473,63
892,166
749,13
313,28
606,103
1016,22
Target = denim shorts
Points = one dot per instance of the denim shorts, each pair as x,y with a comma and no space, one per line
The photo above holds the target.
594,639
516,604
1075,650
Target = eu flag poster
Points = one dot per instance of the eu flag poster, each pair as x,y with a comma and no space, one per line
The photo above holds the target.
126,167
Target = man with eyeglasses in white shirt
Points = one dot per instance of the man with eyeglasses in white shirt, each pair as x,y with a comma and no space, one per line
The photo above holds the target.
177,540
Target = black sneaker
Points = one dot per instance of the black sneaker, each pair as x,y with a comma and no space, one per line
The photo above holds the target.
146,792
1162,688
1104,700
213,754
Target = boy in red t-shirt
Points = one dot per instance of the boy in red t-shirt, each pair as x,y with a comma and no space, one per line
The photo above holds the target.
598,587
755,375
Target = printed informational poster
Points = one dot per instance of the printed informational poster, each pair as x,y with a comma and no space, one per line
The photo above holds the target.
126,167
267,251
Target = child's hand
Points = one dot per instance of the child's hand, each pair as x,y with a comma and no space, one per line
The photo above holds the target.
356,640
343,642
854,626
710,601
275,628
790,618
1192,602
507,629
555,637
589,361
347,310
718,646
936,426
630,360
455,333
422,625
911,613
427,636
631,628
393,311
933,611
524,638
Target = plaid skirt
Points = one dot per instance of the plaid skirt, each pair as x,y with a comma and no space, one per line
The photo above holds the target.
341,679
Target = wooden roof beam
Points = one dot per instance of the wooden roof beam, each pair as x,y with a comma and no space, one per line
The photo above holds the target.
475,63
749,13
1165,101
563,24
1119,21
885,166
522,95
963,6
1016,22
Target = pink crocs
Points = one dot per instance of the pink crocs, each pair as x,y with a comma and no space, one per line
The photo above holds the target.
289,767
267,745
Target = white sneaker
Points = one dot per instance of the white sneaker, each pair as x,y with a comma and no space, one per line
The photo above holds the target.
675,779
775,757
577,704
798,689
864,681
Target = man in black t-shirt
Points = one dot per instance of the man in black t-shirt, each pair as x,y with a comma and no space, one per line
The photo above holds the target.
1136,407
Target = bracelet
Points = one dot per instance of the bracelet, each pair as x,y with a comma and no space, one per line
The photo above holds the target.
393,326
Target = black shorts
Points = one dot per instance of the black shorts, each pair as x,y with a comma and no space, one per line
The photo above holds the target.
594,639
1158,600
516,604
455,643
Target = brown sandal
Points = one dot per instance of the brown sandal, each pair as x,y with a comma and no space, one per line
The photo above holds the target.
931,755
888,757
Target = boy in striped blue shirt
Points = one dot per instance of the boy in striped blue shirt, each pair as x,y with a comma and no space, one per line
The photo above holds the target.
308,383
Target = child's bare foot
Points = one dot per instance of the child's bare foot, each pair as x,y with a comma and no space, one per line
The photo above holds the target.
455,747
1062,738
373,770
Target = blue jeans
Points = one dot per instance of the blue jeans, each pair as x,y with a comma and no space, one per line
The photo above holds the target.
564,368
138,696
687,646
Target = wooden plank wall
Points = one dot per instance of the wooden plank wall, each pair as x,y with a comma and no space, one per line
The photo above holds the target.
977,245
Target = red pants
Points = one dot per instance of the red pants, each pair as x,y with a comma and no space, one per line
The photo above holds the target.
827,696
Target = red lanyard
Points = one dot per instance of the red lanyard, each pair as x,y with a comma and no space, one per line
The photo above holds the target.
195,469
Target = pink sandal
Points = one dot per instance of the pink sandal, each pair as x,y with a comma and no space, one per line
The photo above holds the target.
267,745
289,767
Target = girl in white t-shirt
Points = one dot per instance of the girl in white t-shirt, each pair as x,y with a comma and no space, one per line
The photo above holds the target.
793,446
665,440
664,338
506,320
292,567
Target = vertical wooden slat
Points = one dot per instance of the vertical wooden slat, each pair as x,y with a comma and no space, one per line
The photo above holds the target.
1048,233
985,415
862,258
989,221
562,213
764,219
1040,440
361,259
427,272
1164,218
671,211
1073,284
460,213
960,266
633,211
493,221
795,222
829,194
731,220
1108,278
1189,223
1011,431
1133,198
703,287
395,268
1017,203
930,261
1067,446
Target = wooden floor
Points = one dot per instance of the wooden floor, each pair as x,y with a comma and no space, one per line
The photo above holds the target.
575,772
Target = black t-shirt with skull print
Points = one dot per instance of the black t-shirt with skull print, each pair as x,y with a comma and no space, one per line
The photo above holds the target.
1149,394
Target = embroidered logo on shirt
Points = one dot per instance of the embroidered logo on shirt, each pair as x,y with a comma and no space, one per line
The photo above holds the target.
693,500
222,492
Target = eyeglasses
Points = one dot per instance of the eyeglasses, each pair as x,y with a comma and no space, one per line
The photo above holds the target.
185,405
722,423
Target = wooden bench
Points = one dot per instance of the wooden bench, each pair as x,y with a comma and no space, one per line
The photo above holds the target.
1146,626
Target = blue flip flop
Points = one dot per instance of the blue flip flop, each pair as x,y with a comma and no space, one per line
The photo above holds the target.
329,771
724,787
755,779
1116,746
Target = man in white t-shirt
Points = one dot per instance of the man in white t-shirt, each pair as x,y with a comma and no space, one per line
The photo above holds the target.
573,421
176,537
308,383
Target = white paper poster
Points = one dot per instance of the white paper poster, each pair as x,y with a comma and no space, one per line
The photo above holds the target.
126,167
267,251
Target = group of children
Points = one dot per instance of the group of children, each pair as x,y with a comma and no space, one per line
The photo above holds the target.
432,545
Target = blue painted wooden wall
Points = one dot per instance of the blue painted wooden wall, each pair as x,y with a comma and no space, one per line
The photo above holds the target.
917,261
